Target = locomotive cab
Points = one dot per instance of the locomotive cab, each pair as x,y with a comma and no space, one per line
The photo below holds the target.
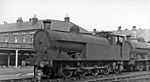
114,39
118,39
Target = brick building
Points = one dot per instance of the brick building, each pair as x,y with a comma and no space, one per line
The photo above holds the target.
16,39
138,35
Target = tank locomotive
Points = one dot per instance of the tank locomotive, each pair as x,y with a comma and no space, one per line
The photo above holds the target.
72,53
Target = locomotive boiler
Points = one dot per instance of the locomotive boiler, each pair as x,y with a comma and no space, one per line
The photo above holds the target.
73,53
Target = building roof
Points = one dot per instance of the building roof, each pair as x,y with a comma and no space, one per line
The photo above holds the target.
55,25
140,45
138,33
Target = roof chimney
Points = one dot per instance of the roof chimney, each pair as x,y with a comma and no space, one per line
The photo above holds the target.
134,28
34,20
47,24
30,19
5,22
67,19
19,20
134,32
94,32
119,28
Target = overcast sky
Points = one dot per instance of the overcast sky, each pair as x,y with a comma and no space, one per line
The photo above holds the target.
89,14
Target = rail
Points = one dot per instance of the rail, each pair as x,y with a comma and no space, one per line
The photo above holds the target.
124,77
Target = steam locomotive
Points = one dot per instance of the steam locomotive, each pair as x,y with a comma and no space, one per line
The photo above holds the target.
72,53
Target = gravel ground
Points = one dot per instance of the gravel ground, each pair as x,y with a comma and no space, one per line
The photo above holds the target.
15,73
13,70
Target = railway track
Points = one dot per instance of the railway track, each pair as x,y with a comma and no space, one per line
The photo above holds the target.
123,77
119,77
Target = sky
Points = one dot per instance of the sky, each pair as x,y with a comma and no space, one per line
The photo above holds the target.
90,14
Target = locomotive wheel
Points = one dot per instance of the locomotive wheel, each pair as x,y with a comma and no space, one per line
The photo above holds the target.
65,72
94,72
131,68
116,70
147,68
106,70
140,67
81,72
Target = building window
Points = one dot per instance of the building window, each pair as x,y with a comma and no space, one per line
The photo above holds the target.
6,38
32,34
15,38
31,38
23,38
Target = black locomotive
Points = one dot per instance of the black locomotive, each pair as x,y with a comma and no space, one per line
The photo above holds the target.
73,53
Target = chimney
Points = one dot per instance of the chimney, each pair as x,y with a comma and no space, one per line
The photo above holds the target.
5,22
34,20
119,28
30,19
134,28
19,20
128,37
134,31
47,24
67,19
94,32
